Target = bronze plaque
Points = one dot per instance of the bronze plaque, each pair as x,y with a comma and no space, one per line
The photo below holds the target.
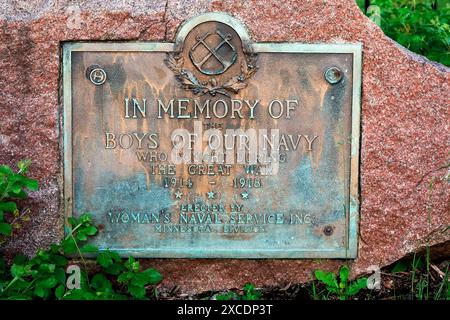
214,146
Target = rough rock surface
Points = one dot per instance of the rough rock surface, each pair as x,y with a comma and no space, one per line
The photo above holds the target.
405,121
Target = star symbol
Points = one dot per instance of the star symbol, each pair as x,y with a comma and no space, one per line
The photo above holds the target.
244,195
178,194
211,195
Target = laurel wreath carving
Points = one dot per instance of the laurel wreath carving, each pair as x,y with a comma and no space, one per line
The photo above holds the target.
190,82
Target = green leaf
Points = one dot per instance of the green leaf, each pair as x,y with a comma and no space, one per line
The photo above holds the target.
85,218
249,287
8,206
107,258
20,194
154,277
60,276
80,236
69,246
59,292
72,221
356,286
126,277
114,269
19,271
40,291
58,260
47,267
136,291
90,230
5,228
89,248
31,184
23,165
101,284
6,170
344,272
327,278
48,283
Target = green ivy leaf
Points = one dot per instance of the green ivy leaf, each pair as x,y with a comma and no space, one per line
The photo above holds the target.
47,267
80,236
154,277
114,269
31,184
136,291
19,271
60,291
8,206
126,277
90,230
85,218
89,248
6,170
59,260
60,276
101,284
107,258
69,246
40,291
5,228
47,283
72,221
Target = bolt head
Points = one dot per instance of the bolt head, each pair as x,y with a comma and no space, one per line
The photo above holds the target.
334,75
328,230
97,76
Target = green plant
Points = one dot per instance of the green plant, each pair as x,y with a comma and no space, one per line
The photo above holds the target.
249,293
420,25
13,186
44,276
343,288
443,291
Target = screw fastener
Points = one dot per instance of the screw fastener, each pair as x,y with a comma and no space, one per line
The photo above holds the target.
333,75
97,76
328,230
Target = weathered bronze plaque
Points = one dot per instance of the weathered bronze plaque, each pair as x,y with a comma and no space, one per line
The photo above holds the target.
214,146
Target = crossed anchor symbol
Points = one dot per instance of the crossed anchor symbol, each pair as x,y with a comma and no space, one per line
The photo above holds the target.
213,52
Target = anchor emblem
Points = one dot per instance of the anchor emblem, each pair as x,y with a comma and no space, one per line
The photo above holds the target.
218,58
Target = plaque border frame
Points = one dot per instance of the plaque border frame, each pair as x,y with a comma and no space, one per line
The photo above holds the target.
352,215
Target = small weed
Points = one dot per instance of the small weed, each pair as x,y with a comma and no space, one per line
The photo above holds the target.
342,288
249,293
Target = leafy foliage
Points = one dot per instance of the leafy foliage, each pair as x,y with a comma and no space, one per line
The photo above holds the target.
420,25
343,288
13,186
44,276
249,293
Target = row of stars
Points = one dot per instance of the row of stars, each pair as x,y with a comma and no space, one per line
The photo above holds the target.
211,194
